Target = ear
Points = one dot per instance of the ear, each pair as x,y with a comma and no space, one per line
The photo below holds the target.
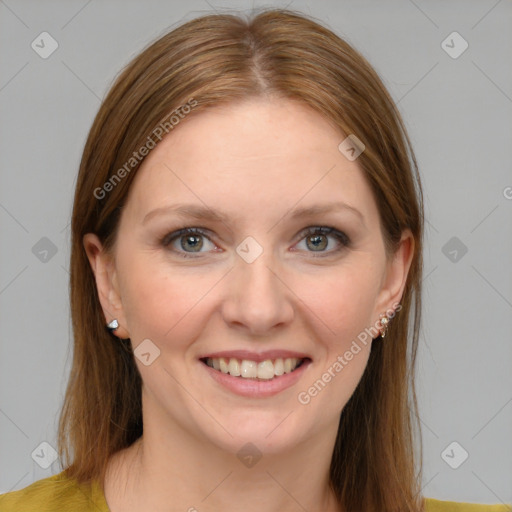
395,279
106,282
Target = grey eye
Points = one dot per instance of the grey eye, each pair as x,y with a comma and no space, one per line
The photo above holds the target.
194,242
315,242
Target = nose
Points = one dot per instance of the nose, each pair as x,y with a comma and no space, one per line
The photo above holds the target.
258,300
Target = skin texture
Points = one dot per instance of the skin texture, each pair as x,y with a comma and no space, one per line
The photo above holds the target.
256,161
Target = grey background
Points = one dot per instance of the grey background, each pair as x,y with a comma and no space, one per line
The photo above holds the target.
458,112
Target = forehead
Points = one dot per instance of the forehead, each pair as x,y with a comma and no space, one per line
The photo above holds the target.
255,156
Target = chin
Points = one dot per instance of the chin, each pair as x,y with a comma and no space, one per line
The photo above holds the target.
263,431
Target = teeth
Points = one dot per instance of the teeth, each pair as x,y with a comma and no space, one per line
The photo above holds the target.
279,367
234,367
266,370
223,365
247,369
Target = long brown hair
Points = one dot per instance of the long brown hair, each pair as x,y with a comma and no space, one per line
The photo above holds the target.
208,61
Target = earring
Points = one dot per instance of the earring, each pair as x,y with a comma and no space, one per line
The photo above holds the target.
113,325
384,321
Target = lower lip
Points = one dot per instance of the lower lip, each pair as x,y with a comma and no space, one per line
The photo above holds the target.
257,388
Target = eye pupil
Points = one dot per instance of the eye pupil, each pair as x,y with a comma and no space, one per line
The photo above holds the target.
319,241
195,241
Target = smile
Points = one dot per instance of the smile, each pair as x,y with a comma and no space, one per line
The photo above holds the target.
247,369
254,374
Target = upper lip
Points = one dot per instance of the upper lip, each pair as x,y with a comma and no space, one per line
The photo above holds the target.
256,356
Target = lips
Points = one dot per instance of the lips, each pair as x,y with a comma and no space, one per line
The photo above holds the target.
256,385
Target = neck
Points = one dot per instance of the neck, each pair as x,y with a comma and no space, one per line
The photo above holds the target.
166,471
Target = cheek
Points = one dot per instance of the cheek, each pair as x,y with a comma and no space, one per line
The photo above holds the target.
158,301
344,306
343,301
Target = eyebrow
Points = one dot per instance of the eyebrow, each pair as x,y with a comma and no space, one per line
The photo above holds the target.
204,213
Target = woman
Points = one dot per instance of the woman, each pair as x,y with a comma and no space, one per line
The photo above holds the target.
246,254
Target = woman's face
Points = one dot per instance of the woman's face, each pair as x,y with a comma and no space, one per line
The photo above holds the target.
251,283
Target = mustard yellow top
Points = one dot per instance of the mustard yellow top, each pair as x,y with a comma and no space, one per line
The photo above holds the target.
60,494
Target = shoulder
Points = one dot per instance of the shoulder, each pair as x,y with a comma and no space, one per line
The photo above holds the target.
432,505
53,494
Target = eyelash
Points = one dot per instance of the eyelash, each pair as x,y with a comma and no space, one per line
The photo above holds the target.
341,237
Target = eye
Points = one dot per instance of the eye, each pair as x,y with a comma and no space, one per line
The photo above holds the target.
317,239
323,240
188,240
